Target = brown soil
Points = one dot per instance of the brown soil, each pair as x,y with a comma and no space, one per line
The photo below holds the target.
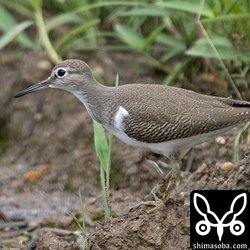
47,156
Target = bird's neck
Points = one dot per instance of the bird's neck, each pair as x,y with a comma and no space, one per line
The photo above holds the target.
93,98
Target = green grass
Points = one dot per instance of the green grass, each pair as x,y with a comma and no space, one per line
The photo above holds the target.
169,34
82,226
104,150
239,138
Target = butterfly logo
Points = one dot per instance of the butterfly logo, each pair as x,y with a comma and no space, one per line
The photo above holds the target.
210,219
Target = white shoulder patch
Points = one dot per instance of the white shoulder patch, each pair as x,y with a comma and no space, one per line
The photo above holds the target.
119,118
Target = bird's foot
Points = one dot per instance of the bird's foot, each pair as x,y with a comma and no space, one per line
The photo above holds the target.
158,203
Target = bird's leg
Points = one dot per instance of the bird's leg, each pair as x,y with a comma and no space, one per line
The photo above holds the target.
164,177
157,201
156,167
171,176
174,173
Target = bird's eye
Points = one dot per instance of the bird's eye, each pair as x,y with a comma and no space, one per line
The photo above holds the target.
60,73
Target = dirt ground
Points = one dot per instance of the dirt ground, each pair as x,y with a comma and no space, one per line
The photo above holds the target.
47,156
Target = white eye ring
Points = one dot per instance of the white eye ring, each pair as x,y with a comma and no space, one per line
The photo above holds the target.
61,73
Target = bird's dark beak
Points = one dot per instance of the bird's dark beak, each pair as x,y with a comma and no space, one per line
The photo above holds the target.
41,85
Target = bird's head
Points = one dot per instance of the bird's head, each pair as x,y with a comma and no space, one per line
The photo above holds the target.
67,75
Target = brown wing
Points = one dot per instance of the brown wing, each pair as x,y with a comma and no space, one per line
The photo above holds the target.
175,113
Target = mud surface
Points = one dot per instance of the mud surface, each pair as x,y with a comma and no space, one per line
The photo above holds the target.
47,157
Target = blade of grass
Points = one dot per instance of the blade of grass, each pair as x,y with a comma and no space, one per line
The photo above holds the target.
171,41
18,7
13,33
10,26
102,150
202,48
191,6
101,144
65,18
237,142
110,148
152,37
130,37
158,12
205,34
82,226
67,38
37,5
226,18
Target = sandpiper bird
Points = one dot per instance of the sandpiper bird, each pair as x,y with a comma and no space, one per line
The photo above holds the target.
153,117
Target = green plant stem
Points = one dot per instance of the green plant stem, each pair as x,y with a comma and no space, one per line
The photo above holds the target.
62,44
230,80
158,64
105,172
105,193
176,72
109,165
82,226
44,36
103,150
227,18
237,142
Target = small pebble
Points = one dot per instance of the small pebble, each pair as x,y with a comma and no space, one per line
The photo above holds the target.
202,168
183,194
227,166
220,140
